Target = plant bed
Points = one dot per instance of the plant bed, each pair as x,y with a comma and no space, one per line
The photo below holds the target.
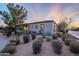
26,38
74,46
36,46
9,49
5,54
57,46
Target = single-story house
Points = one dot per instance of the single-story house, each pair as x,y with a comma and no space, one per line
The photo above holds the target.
47,28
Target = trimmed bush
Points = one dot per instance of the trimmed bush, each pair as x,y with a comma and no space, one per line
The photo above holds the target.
33,35
5,54
54,36
74,46
9,49
67,41
36,47
57,46
17,40
48,39
40,39
26,38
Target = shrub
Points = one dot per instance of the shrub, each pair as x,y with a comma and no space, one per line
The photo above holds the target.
33,35
36,47
26,38
40,39
54,36
17,40
67,41
48,39
9,49
5,54
74,46
57,46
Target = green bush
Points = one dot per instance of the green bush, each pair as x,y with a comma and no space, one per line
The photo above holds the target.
36,46
33,35
74,46
57,46
48,38
40,39
26,38
54,36
67,41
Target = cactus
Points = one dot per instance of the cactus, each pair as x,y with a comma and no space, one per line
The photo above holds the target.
26,38
57,46
36,47
74,46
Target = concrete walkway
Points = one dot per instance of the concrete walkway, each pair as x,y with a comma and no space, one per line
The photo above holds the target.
47,50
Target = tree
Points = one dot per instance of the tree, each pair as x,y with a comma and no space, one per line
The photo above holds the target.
17,12
62,26
15,16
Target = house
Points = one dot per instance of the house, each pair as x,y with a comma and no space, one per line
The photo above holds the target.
48,27
43,27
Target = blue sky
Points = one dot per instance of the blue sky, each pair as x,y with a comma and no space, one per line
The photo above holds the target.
45,11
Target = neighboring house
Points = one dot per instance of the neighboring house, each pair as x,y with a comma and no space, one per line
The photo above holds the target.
43,27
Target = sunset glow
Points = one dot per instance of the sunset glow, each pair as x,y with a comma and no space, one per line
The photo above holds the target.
57,12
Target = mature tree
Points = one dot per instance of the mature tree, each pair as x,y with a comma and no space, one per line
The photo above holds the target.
17,12
15,16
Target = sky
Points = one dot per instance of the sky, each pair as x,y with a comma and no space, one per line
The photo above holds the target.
48,11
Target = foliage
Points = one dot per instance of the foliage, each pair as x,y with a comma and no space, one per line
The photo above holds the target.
62,26
57,46
15,15
36,46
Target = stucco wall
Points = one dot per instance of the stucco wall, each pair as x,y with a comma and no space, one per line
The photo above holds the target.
49,28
